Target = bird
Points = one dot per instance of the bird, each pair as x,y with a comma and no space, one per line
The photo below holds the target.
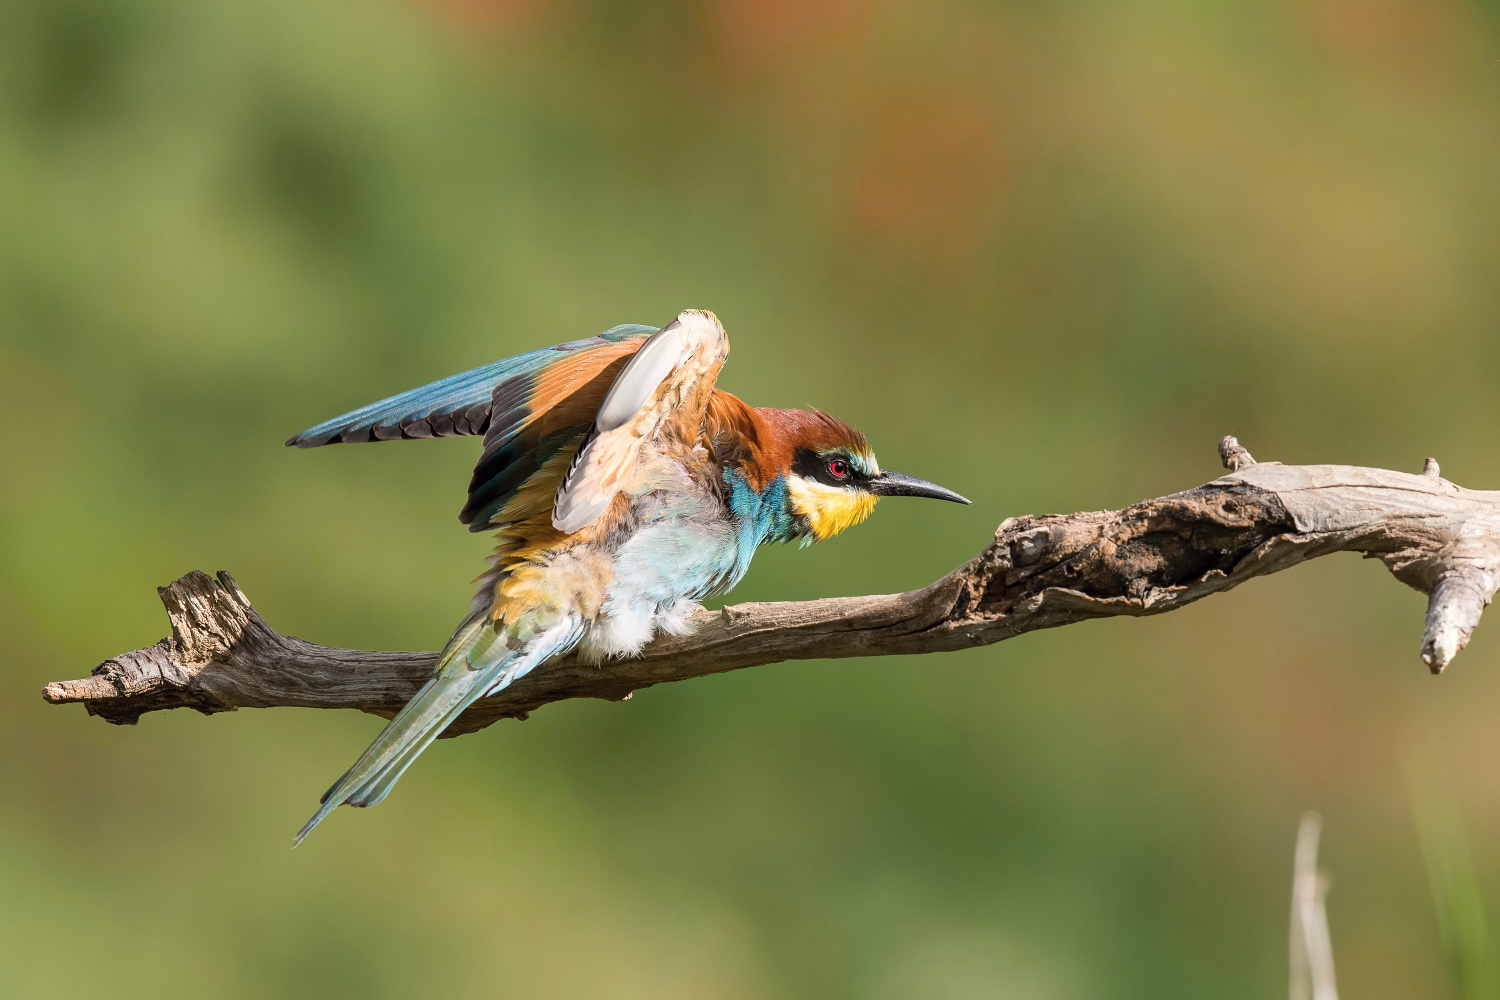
624,487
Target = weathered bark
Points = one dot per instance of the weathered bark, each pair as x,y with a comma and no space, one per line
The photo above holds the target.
1039,572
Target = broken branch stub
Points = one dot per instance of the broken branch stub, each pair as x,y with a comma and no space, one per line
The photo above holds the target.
1039,572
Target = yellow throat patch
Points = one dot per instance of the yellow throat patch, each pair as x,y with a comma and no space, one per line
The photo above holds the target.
828,509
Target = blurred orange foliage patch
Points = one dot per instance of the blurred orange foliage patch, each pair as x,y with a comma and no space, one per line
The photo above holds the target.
752,33
1408,42
930,176
492,16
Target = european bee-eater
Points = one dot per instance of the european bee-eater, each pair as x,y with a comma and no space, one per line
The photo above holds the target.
625,488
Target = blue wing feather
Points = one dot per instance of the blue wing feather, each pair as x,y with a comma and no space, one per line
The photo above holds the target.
465,403
496,400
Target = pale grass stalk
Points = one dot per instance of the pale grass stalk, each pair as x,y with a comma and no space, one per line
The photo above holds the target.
1311,949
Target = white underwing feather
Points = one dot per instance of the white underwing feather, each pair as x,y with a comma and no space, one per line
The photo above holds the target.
658,357
626,417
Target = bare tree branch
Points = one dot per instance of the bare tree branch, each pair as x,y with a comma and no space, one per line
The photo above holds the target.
1039,572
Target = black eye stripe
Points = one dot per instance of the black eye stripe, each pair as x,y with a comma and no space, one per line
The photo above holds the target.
810,465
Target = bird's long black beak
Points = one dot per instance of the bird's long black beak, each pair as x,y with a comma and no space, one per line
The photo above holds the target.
894,484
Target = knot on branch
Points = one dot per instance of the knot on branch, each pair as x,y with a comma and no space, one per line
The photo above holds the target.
1146,559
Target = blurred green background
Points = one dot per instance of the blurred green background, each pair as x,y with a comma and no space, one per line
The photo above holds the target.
1043,253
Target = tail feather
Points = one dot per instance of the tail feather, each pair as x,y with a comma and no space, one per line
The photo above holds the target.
475,663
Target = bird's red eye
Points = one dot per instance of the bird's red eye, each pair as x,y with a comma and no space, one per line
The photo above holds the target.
838,469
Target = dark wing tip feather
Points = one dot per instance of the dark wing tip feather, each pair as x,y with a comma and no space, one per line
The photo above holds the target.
466,419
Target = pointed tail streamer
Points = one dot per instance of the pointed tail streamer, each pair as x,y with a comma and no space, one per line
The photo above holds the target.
477,662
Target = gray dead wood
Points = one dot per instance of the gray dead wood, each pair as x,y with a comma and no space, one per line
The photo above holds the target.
1039,572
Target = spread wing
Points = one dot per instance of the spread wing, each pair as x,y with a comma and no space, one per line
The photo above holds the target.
466,403
528,408
660,395
594,400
